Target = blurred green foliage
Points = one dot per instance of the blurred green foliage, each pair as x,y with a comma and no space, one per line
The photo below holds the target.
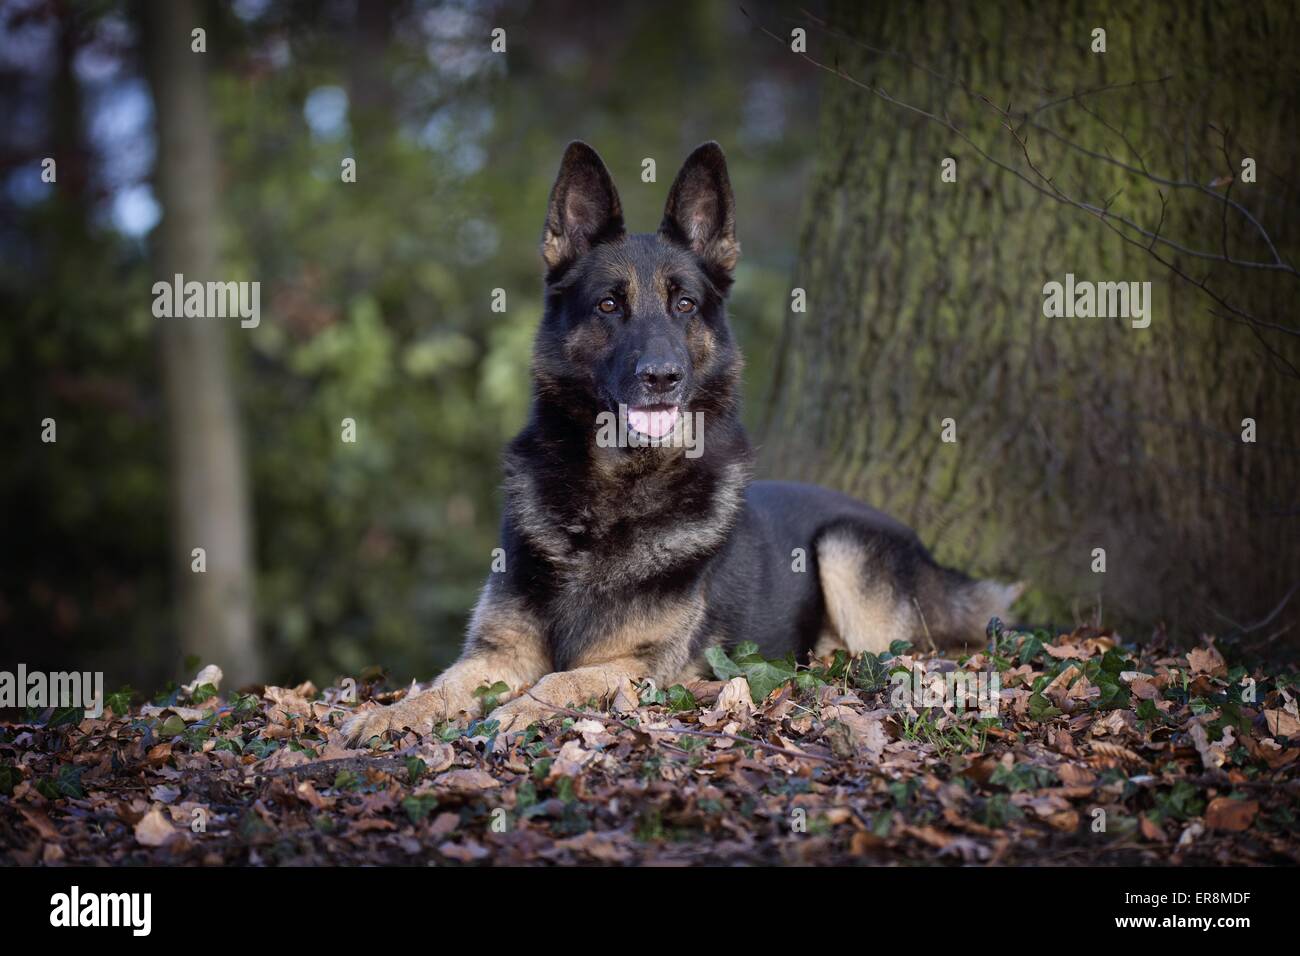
375,296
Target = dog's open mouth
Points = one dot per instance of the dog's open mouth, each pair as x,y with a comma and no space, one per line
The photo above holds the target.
655,421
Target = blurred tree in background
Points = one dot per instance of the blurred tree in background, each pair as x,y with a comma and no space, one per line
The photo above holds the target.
375,294
210,509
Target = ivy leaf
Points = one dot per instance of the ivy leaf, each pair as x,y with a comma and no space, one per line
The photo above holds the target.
1040,708
346,780
807,680
765,676
870,673
724,668
9,777
490,695
678,698
1030,648
1147,710
66,784
119,702
899,648
261,749
173,726
840,664
1113,662
1022,776
417,808
1182,802
66,715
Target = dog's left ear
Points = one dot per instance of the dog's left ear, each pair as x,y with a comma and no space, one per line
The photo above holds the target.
701,213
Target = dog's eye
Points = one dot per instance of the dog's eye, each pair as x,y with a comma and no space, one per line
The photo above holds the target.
607,305
685,305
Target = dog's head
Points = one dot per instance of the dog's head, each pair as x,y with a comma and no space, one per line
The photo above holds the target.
638,321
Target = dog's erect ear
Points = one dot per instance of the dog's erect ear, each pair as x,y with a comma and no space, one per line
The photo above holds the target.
584,208
701,213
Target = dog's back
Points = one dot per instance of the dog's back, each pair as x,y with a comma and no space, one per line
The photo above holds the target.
808,568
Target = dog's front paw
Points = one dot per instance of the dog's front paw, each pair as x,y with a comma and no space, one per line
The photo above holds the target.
412,713
515,716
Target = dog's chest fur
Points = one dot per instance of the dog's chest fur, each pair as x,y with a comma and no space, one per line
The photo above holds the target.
622,524
613,549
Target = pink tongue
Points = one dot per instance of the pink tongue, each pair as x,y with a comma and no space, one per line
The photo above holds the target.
655,422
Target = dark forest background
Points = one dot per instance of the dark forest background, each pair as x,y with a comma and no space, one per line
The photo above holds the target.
924,300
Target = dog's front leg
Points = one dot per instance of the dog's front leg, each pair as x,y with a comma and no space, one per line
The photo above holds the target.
567,688
638,646
504,644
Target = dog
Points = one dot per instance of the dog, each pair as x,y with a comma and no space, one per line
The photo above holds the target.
627,560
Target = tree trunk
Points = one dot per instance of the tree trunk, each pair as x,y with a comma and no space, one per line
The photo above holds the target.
925,302
210,495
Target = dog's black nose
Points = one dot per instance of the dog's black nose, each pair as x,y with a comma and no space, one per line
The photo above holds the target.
659,376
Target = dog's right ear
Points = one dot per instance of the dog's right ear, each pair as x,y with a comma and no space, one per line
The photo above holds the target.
584,209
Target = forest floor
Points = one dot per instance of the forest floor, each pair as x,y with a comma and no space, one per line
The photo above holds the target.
1098,753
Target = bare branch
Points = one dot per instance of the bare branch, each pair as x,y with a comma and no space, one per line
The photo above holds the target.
1046,185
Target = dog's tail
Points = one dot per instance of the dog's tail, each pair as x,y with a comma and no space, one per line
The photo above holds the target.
880,588
955,609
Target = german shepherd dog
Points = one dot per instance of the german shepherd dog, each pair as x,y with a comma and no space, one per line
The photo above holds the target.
628,560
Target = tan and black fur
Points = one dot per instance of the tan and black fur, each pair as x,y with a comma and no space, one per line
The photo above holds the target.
629,562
